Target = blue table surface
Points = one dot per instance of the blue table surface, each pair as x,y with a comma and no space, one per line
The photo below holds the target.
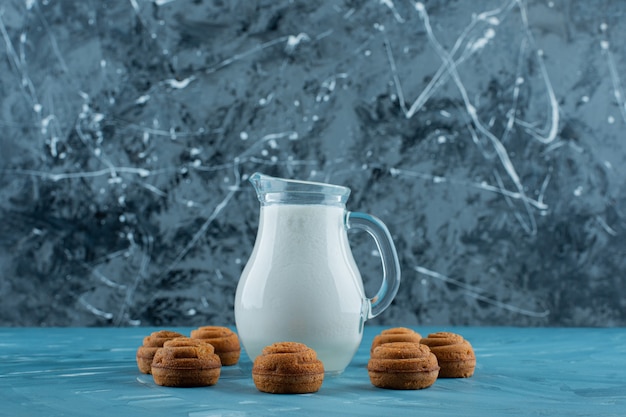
519,372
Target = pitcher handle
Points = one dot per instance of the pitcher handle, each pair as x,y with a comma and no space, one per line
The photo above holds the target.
388,255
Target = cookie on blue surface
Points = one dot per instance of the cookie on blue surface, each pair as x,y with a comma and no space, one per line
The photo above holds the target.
402,365
186,362
151,343
224,340
395,334
455,354
288,368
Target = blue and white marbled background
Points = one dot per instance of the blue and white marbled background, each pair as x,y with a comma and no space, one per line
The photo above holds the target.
488,135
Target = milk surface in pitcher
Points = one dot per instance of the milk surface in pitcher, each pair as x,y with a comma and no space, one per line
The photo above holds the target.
306,287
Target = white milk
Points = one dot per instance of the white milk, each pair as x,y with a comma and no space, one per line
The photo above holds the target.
301,284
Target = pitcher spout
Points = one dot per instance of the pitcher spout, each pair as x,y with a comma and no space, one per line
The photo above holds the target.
256,180
272,190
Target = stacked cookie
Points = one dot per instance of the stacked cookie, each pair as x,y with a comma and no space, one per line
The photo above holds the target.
185,362
224,340
152,343
402,359
455,355
288,368
175,360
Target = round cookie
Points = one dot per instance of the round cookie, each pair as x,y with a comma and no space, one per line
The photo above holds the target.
402,365
224,340
455,354
151,343
185,362
395,334
288,368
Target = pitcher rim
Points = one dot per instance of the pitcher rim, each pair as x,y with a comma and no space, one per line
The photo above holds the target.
275,189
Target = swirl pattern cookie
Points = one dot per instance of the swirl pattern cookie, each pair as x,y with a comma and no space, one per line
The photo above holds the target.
402,365
185,362
288,368
151,343
395,334
224,340
455,354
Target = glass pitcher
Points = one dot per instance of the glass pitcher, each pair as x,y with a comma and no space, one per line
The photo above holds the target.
301,283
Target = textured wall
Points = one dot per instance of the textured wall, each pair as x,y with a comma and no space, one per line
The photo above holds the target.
488,135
